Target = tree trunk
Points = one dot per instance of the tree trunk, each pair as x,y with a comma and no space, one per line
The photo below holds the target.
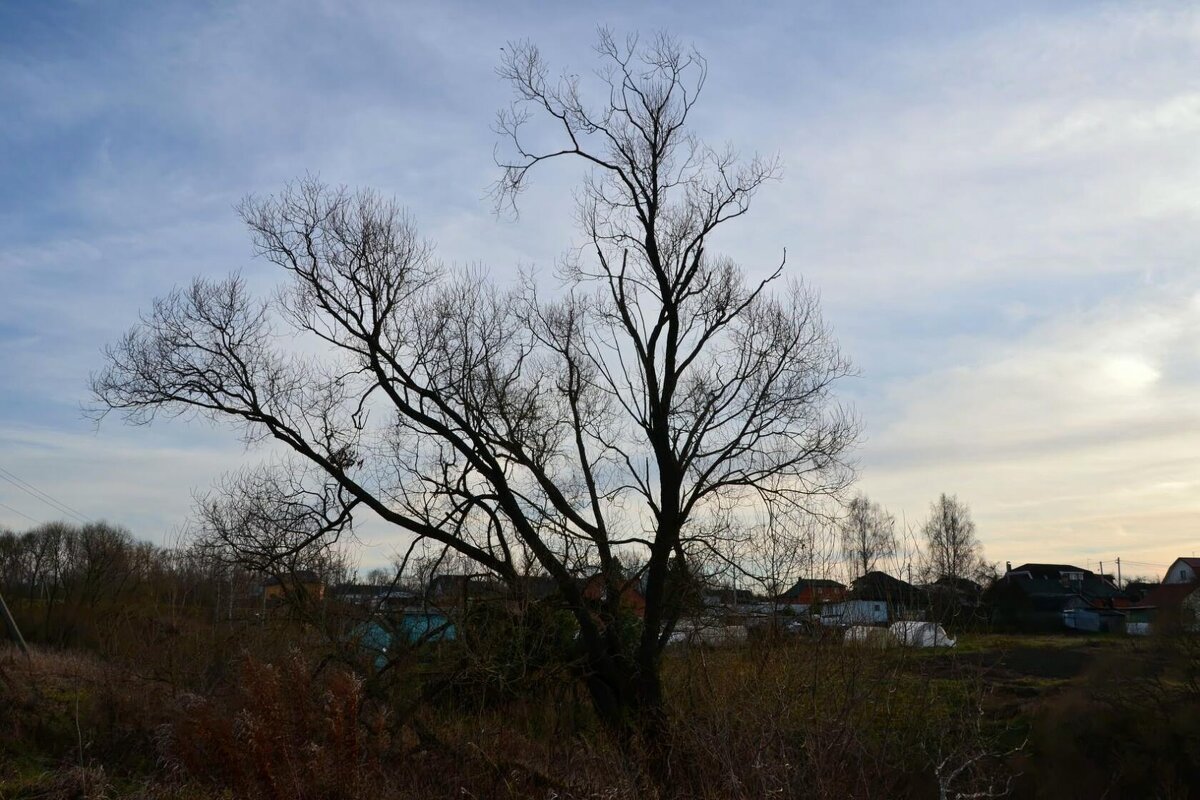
628,699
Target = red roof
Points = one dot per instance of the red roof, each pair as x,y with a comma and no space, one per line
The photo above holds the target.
1167,595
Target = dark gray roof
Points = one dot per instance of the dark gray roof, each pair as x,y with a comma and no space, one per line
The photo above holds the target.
1047,580
881,586
1050,570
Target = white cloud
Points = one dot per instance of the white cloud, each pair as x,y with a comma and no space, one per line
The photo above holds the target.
1077,438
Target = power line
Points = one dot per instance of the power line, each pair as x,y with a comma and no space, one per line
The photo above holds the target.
38,494
1144,563
47,500
61,506
22,514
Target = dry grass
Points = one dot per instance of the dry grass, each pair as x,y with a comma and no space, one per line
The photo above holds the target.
802,720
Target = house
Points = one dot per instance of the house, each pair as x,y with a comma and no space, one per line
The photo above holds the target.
1183,570
1168,606
300,585
876,599
849,613
374,597
461,590
902,599
809,591
728,597
533,588
961,590
595,590
954,599
1137,590
1080,616
1034,596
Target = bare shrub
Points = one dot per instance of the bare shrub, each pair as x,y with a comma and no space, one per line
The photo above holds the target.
283,734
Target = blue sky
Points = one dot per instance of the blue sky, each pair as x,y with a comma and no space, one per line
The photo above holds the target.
997,202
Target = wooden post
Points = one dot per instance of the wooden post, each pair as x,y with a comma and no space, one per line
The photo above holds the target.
11,624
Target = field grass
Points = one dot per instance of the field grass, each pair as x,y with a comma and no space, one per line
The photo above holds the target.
795,719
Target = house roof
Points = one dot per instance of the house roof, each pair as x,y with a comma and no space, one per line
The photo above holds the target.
1050,570
1046,581
881,586
1043,587
806,584
961,585
1166,595
735,595
1194,563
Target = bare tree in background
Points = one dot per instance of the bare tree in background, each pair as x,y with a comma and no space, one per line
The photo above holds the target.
868,534
658,389
272,520
952,549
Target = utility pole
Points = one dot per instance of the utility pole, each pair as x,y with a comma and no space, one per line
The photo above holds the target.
11,624
1118,572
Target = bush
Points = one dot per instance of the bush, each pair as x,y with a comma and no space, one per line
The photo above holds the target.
281,734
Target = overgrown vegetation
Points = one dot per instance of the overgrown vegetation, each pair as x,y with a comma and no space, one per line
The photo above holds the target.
289,717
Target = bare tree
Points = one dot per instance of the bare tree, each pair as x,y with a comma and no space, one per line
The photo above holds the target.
952,549
267,520
380,577
868,534
657,389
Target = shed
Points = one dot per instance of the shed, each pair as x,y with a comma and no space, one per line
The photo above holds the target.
1094,620
855,612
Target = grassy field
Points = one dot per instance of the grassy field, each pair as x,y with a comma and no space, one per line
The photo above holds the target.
1036,716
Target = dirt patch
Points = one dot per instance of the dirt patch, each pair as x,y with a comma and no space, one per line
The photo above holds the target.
1007,664
1056,662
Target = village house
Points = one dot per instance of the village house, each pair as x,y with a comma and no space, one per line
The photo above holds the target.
461,591
450,591
1037,596
1173,604
953,600
304,585
876,599
1136,590
1183,570
374,597
632,600
808,592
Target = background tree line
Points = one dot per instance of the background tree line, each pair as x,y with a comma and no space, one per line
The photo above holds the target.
79,584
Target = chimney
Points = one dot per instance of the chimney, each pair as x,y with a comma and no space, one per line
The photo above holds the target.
1007,567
